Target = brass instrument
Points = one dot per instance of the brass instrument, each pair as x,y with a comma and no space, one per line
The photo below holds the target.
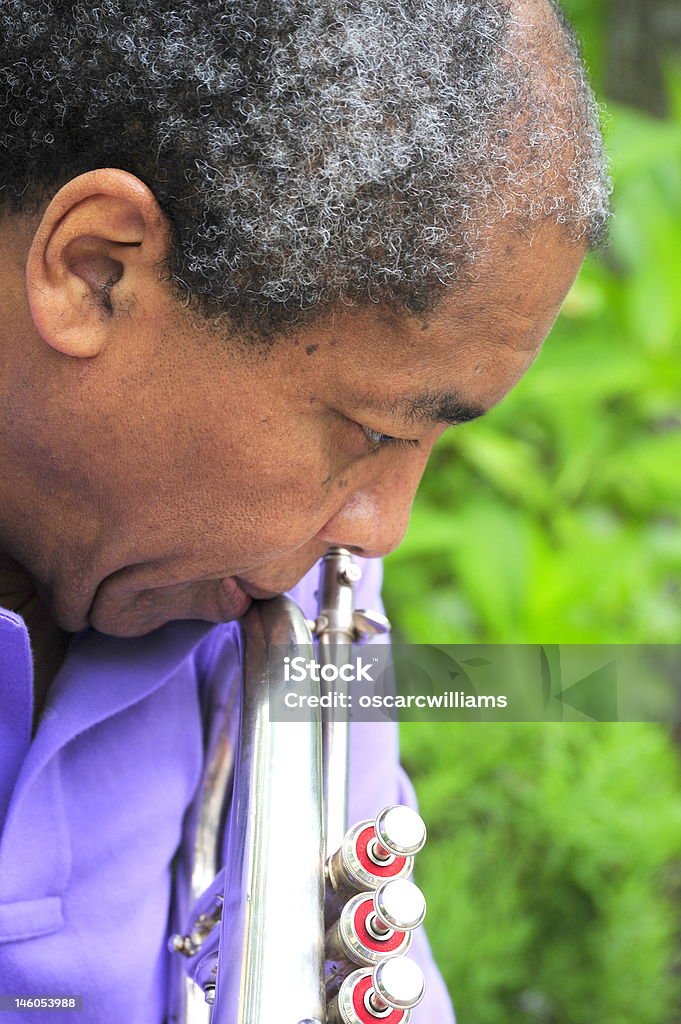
313,918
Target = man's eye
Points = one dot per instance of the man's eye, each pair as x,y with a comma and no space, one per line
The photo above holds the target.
378,440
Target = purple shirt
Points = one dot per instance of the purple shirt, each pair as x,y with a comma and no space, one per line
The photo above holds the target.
91,809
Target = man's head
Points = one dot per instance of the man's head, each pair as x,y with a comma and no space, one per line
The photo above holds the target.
364,209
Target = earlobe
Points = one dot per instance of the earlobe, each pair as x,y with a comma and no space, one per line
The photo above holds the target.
94,254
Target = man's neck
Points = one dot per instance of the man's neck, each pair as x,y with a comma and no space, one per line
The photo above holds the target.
49,643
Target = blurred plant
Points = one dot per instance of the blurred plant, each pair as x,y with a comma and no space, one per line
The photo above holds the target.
555,848
548,869
556,518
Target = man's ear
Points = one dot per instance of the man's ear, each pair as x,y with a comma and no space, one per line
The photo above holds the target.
95,254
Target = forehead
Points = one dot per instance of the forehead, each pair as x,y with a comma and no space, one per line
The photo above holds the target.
479,340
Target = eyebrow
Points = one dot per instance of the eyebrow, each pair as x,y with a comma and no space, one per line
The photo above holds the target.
428,408
450,408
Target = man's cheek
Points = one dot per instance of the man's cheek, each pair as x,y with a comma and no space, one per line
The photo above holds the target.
295,477
289,513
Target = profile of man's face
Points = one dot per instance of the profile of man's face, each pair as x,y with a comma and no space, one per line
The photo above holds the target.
160,467
185,473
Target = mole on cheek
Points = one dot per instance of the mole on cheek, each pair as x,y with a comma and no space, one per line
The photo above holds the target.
310,349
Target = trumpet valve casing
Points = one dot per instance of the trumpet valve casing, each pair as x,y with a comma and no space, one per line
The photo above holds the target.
373,925
384,994
374,851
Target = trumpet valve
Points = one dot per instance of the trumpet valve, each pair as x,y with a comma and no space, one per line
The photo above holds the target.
386,993
374,851
400,832
373,925
399,905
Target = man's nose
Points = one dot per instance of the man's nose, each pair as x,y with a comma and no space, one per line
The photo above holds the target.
374,519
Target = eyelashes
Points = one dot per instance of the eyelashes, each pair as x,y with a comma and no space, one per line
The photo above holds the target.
379,441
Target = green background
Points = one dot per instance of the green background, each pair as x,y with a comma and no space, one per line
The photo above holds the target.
552,869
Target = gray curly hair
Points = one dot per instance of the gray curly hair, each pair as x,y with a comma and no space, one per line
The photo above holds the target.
307,152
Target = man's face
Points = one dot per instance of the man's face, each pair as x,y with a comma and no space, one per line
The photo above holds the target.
193,475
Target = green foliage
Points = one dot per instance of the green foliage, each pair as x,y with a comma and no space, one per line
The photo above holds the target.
556,518
553,864
547,901
590,18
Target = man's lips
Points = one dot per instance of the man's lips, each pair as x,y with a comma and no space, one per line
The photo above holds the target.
236,599
127,605
253,590
280,580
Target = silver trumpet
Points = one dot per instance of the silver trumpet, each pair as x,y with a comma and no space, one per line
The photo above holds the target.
312,920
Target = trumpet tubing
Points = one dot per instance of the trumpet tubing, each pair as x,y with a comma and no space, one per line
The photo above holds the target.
305,900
